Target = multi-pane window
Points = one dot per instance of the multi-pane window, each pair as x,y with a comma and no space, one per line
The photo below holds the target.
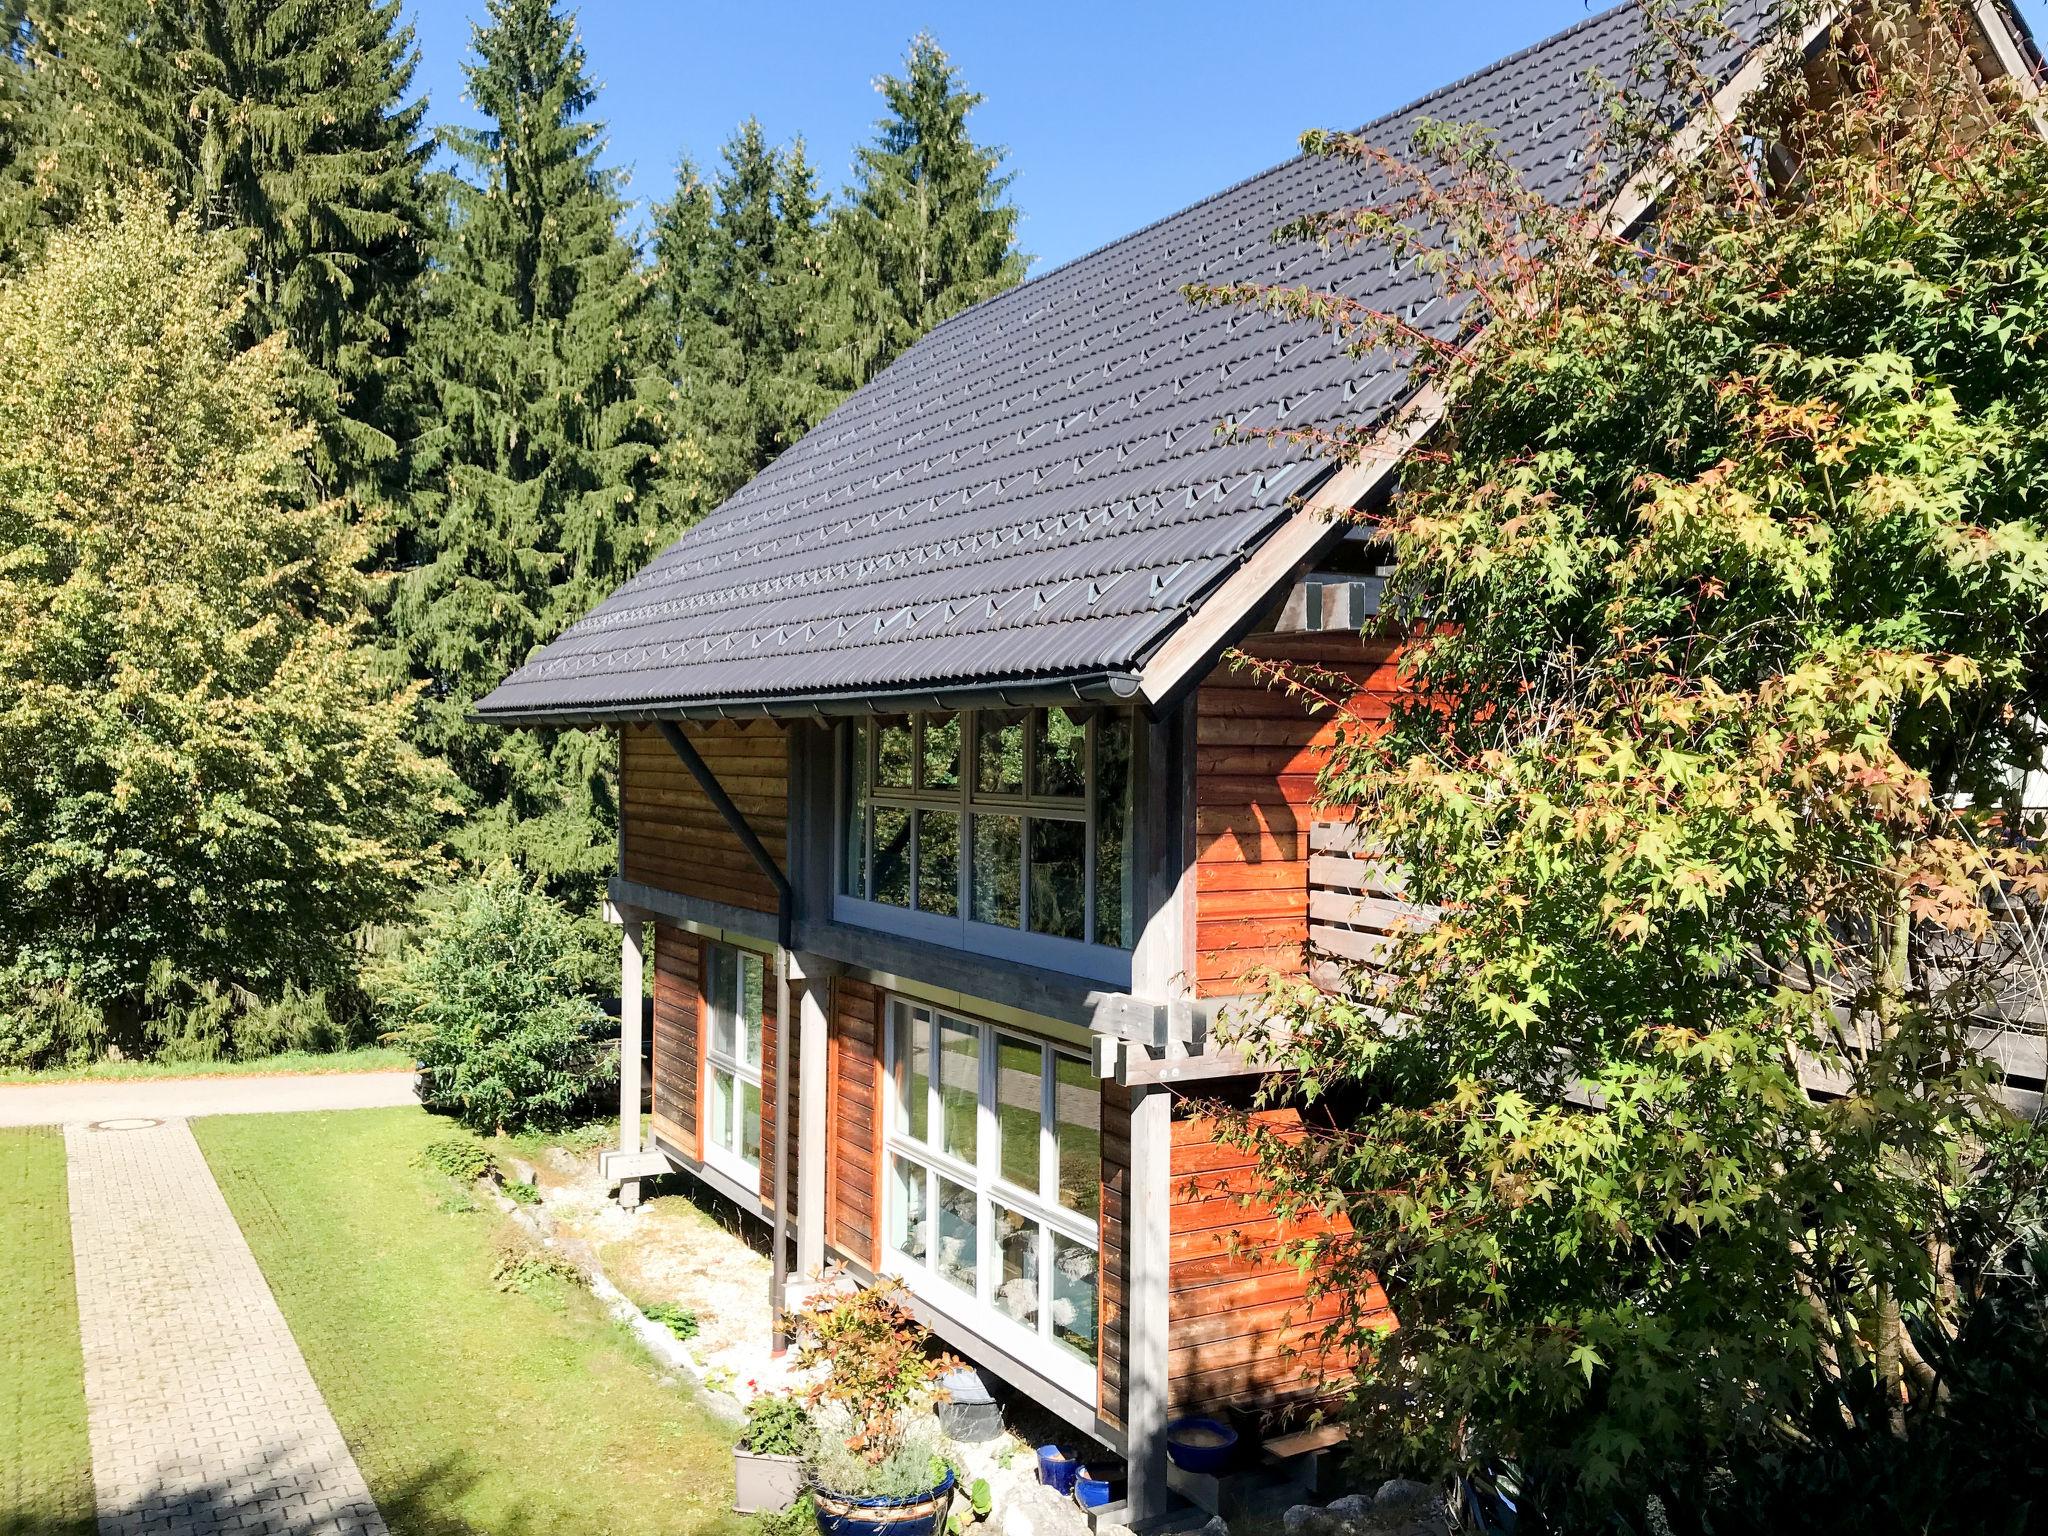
732,1055
993,1187
1015,819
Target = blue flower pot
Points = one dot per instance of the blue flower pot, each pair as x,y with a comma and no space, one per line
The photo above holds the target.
1097,1486
919,1514
1200,1445
1057,1470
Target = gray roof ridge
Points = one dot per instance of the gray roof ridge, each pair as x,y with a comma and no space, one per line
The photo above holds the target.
1239,185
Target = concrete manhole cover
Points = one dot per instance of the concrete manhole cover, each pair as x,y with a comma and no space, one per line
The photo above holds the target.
132,1123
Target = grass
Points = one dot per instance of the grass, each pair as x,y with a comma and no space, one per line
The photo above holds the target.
370,1058
45,1462
470,1408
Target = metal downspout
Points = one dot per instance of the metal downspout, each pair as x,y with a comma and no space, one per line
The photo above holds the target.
785,904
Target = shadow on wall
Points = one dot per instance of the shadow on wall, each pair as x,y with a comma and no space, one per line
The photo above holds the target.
425,1505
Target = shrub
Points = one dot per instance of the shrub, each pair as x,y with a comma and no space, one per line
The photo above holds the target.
521,1193
911,1461
777,1425
45,1023
492,1007
874,1393
680,1321
460,1157
521,1266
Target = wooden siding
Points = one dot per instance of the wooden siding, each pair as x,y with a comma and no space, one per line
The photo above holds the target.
678,1038
671,836
771,1060
1257,753
853,1102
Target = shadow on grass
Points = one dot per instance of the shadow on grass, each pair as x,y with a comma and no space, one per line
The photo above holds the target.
423,1506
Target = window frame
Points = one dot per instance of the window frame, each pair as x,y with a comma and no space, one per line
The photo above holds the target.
731,1159
960,929
1036,1345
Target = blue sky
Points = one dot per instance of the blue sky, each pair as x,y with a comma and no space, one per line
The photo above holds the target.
1114,114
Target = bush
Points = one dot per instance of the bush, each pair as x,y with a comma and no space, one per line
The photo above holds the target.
492,1005
460,1157
522,1267
777,1426
46,1024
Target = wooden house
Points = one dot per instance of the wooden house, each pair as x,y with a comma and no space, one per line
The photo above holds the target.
950,830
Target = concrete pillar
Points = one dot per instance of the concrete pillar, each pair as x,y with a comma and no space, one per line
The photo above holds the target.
631,961
813,1135
1148,1235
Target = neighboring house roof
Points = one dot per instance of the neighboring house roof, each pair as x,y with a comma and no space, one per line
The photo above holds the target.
1035,495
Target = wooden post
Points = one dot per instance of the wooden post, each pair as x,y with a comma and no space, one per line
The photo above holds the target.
631,962
1147,1230
812,1130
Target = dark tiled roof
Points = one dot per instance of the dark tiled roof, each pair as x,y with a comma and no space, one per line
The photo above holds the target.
1036,491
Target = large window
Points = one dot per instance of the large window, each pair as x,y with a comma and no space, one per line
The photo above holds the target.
1014,820
994,1192
732,1057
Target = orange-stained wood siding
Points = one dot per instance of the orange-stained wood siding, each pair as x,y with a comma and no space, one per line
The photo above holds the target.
673,838
1113,1275
1242,1328
1257,753
771,1059
678,1038
853,1102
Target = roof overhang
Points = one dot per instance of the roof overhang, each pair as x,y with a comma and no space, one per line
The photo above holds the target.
1114,688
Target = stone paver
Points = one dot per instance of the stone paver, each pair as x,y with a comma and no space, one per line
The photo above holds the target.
161,1098
203,1418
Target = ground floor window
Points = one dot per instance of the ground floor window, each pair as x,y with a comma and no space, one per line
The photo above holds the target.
994,1179
732,1056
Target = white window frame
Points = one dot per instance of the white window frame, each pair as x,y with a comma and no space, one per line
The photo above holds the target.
960,929
730,1158
1036,1347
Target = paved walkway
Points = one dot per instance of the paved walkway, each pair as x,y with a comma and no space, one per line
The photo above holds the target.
163,1097
203,1418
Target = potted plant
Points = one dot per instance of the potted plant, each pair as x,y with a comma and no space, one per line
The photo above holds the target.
878,1469
768,1462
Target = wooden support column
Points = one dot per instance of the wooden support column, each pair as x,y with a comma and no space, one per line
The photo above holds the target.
1147,1253
632,946
813,1134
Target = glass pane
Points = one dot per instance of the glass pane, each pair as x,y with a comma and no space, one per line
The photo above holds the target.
913,1047
1019,1084
956,1234
909,1228
996,840
1017,1285
892,757
892,856
750,1122
1077,1127
941,751
1114,919
722,996
1059,762
719,1130
959,1088
999,752
938,862
750,1010
1058,877
854,872
1073,1295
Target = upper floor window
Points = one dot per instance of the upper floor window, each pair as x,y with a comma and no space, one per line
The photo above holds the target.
1012,819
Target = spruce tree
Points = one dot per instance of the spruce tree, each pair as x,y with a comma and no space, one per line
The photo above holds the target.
925,232
287,123
537,484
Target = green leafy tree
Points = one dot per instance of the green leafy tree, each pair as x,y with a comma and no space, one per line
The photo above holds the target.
288,124
1668,1128
925,232
202,765
536,482
494,1005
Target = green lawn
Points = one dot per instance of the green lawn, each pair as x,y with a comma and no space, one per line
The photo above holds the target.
471,1410
371,1058
45,1463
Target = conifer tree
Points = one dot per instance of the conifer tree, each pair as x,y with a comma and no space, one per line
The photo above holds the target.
926,231
286,123
536,485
